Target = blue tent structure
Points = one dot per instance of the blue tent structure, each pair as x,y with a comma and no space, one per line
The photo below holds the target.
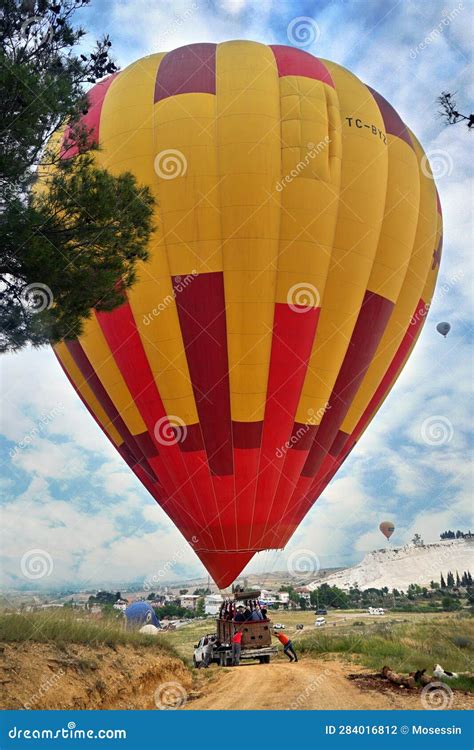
141,613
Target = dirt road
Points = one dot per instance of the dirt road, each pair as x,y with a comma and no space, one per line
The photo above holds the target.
309,684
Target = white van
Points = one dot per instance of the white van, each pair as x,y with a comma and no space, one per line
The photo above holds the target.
320,621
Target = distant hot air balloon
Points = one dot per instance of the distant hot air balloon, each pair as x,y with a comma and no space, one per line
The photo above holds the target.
298,238
141,613
387,528
443,329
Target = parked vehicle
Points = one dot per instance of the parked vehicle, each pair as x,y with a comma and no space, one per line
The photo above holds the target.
198,655
320,621
376,611
278,626
321,612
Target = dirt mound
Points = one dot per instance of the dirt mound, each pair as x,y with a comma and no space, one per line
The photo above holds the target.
44,676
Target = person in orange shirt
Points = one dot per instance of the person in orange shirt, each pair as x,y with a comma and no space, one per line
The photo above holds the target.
236,647
287,646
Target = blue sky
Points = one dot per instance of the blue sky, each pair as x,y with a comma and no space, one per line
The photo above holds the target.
65,490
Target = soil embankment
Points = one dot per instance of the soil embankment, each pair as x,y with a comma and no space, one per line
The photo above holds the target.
45,676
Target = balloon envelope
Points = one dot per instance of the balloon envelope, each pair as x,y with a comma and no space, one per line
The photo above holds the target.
387,528
297,244
443,328
141,613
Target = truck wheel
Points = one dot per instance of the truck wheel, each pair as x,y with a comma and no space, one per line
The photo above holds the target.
197,664
264,660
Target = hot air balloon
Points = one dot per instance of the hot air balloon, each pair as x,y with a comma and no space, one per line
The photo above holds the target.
443,329
141,613
297,244
387,528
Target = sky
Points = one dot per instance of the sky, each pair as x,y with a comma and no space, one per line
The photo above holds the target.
72,511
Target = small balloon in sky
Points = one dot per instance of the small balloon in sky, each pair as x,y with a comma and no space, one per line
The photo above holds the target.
387,528
443,329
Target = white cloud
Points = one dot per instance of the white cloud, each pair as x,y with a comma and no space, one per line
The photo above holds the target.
86,546
48,459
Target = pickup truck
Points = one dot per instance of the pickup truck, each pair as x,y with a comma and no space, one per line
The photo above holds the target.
198,656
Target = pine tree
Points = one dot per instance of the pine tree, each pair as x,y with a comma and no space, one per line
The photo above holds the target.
458,580
75,245
442,582
450,580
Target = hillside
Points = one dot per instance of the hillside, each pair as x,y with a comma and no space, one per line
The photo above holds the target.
56,661
397,567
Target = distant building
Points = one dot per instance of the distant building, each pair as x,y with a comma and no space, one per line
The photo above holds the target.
212,603
283,597
304,593
51,605
159,600
267,598
189,601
